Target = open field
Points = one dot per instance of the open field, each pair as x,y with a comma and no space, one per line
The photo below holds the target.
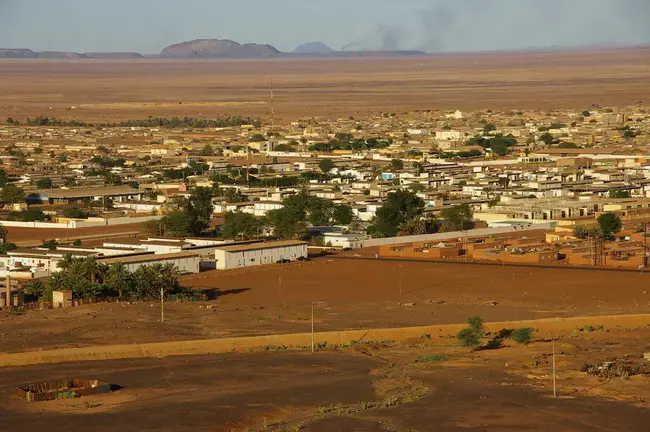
379,386
355,294
113,90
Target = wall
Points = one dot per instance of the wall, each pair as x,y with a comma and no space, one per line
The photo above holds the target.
453,235
184,265
545,327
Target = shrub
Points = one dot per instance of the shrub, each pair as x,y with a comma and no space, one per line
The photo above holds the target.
476,324
494,344
523,335
469,338
436,358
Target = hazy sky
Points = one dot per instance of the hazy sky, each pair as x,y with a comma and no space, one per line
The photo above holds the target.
147,26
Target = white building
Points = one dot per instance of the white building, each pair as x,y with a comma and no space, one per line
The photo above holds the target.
186,262
340,240
249,255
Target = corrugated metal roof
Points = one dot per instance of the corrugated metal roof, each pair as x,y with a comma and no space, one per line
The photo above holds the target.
260,246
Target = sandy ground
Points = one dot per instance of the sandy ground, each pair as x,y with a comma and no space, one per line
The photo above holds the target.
350,294
371,387
110,90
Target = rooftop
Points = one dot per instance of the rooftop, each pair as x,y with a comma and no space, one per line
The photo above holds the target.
261,246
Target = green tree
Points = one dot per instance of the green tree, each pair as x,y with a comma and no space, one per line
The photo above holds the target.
102,149
400,207
207,150
198,210
568,145
489,127
609,224
3,234
326,165
74,213
119,279
45,183
240,224
50,244
586,113
547,138
37,289
397,164
470,337
342,215
257,138
523,335
285,223
581,232
174,224
456,217
4,179
12,194
618,193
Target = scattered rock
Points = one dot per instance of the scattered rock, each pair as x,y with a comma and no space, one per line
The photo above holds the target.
492,303
407,304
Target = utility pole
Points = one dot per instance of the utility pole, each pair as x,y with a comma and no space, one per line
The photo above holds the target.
554,379
280,285
645,244
162,305
313,346
400,279
8,294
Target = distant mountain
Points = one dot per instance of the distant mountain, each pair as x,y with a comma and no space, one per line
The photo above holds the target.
211,49
218,48
313,48
17,53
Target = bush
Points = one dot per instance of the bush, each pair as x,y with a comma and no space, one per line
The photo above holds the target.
469,338
494,344
476,324
523,335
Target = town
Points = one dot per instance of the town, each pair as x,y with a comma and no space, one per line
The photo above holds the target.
576,184
324,216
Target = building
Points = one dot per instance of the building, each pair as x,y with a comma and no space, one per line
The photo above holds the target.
345,241
186,262
249,255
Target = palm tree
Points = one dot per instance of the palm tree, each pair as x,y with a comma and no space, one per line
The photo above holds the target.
35,288
119,278
90,268
66,262
169,277
58,282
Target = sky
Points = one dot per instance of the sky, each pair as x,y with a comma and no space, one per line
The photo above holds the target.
147,26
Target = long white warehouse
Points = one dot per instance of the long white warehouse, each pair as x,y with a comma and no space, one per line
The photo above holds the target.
238,256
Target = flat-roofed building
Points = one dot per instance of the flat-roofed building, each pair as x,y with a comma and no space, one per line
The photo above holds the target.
249,255
186,262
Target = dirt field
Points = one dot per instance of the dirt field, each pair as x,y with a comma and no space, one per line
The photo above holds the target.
421,386
110,90
354,294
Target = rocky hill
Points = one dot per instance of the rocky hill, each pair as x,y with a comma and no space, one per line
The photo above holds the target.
17,53
218,48
313,48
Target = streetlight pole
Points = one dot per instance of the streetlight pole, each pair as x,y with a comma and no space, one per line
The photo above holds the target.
162,305
280,286
313,347
554,380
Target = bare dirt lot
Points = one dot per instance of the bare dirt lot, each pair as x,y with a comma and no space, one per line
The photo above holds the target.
112,90
422,386
350,294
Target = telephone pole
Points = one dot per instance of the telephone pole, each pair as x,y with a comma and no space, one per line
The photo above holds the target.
554,378
162,305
